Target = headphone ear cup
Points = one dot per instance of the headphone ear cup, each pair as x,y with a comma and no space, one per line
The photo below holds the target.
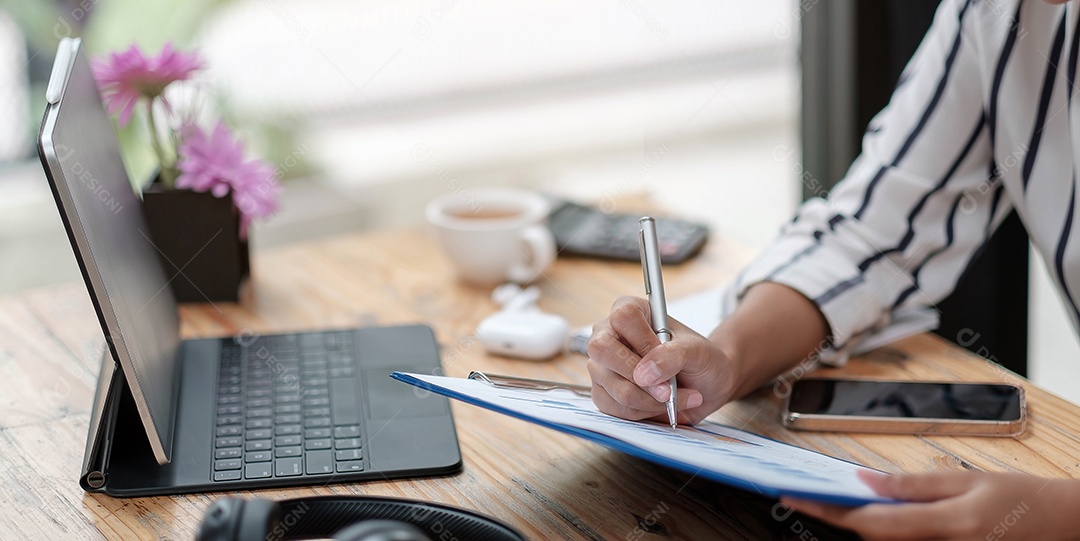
381,530
259,518
221,522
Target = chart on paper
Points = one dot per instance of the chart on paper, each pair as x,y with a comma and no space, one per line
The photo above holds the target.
711,450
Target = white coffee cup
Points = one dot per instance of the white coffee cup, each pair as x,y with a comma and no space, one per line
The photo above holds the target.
494,235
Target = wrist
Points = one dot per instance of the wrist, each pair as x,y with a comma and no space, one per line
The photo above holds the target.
733,348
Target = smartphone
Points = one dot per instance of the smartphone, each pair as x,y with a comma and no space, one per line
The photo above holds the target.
591,232
906,407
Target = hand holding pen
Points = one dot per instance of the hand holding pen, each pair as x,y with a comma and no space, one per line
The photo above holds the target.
632,369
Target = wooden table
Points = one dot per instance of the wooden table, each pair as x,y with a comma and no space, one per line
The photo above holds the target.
549,485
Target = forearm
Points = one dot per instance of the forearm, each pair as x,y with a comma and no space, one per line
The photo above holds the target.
773,329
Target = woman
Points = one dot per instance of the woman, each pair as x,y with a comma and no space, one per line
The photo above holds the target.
981,122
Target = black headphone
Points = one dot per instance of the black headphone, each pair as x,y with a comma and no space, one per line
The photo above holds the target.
347,518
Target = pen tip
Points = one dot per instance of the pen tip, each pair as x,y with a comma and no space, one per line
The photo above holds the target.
673,426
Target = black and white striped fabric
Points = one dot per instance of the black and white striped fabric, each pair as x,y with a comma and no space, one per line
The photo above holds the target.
982,121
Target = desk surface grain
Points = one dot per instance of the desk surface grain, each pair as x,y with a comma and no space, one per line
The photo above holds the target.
548,485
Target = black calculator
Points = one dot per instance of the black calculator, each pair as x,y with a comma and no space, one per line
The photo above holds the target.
586,231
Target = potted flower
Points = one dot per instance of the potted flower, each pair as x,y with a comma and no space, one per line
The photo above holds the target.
200,205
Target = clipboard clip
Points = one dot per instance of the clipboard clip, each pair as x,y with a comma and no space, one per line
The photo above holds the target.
515,382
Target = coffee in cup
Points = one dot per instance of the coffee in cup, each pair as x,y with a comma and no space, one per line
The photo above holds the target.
494,235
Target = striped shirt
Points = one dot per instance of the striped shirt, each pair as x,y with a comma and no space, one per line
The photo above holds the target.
980,123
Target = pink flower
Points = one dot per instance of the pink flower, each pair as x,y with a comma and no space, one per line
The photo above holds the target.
126,77
214,162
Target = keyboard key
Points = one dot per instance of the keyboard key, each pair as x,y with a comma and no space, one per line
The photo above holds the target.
229,389
258,393
290,419
317,412
229,420
259,423
258,403
341,358
258,456
228,431
345,406
282,452
258,470
316,422
228,410
257,445
287,399
341,361
228,400
259,434
317,401
316,433
287,387
309,341
316,444
258,412
347,431
228,442
288,467
347,454
228,464
231,452
347,443
284,441
232,475
286,408
345,372
332,340
316,462
311,393
286,430
354,466
313,382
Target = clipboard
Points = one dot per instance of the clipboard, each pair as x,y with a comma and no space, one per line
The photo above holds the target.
709,450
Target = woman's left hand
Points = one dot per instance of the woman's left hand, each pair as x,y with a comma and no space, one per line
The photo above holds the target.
959,505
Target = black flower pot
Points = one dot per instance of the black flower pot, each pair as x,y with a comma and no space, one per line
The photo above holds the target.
197,237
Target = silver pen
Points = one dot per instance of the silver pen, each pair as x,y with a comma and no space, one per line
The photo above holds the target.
654,289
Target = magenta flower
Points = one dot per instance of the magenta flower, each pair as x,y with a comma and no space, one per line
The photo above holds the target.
214,162
124,78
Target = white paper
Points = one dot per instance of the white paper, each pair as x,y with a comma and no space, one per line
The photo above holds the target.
708,446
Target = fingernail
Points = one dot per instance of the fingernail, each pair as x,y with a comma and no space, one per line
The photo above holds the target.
659,392
694,401
650,373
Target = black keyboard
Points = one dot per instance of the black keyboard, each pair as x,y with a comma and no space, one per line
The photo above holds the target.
586,231
288,405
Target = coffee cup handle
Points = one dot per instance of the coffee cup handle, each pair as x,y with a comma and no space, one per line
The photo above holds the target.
541,247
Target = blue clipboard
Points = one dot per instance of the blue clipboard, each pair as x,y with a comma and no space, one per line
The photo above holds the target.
768,490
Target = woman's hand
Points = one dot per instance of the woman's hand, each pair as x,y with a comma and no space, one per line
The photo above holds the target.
630,369
959,505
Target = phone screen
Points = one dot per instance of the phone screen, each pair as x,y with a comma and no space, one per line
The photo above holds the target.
912,400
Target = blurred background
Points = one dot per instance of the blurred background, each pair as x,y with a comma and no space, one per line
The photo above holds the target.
725,112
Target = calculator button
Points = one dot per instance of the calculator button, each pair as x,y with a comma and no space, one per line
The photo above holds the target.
257,471
353,466
231,452
288,467
231,475
317,462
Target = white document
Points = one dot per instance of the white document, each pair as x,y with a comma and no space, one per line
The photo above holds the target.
709,450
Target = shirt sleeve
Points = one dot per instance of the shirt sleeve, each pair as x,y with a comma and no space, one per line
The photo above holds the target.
897,232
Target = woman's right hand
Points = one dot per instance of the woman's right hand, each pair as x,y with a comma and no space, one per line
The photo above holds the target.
630,368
